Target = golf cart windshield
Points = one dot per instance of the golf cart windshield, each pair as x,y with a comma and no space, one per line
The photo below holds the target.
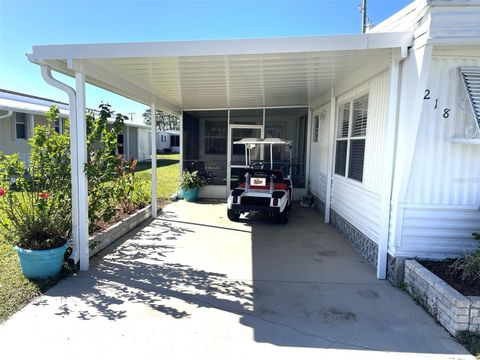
268,154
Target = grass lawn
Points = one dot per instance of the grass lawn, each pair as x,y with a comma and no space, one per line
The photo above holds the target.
168,173
16,291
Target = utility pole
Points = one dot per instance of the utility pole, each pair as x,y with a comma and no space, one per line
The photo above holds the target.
364,16
131,116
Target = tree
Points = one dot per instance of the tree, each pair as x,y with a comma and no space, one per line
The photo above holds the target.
165,121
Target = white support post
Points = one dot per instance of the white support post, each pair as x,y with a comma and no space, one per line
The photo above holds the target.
154,158
388,166
81,159
181,144
331,147
308,151
74,177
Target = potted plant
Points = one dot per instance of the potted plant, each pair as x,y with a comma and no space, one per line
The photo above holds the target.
190,185
35,205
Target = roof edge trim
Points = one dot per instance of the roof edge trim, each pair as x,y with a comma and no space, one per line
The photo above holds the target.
223,47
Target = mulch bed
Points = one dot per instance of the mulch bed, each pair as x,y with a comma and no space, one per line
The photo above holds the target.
123,214
453,278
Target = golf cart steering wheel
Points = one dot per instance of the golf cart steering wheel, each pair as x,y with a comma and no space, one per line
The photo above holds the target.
257,164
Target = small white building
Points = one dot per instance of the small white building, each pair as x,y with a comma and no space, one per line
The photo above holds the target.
385,125
20,113
168,141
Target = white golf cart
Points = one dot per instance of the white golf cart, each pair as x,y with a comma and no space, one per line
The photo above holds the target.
264,188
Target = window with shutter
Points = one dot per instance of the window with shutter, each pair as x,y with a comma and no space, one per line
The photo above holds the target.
341,157
350,141
357,155
471,80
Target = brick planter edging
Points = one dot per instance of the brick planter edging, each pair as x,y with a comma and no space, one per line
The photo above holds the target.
454,311
101,240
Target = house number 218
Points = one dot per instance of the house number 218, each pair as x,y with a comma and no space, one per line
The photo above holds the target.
446,111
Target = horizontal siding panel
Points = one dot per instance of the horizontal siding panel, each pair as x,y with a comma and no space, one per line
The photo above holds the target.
437,232
319,187
456,22
358,206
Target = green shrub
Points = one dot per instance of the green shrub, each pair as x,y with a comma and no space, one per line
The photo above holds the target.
35,201
141,194
469,265
191,180
104,168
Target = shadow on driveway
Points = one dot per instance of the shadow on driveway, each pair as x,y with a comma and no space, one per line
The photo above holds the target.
210,287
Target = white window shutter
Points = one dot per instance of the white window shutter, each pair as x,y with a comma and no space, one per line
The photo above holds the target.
471,79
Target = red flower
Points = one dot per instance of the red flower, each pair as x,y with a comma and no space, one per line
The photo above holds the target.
2,191
44,195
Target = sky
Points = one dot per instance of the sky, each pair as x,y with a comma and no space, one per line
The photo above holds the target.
27,23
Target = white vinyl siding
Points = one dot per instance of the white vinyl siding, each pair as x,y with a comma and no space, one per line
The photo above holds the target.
359,207
319,153
440,210
359,202
443,172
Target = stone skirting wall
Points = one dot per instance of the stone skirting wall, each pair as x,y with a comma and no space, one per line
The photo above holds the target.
451,309
101,240
365,246
395,269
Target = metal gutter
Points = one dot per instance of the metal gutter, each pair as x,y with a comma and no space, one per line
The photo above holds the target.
49,79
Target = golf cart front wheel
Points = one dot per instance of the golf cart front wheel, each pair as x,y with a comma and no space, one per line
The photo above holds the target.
283,216
232,215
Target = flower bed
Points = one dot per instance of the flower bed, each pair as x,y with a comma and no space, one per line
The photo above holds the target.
101,240
454,311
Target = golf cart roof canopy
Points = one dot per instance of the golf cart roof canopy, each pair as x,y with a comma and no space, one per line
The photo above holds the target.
266,141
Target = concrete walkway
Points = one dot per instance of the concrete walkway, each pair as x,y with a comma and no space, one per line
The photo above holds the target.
193,285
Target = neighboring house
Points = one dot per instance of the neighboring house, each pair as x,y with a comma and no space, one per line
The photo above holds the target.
385,125
20,113
168,141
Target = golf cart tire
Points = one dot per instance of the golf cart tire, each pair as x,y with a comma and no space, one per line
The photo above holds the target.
282,217
232,215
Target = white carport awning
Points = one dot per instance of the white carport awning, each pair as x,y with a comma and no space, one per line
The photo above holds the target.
225,73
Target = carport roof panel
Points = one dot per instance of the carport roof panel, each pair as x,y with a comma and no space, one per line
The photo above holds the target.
224,73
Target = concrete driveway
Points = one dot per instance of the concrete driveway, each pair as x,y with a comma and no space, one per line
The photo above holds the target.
192,284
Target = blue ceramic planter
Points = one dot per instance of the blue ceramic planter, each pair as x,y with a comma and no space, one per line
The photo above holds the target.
41,264
190,194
